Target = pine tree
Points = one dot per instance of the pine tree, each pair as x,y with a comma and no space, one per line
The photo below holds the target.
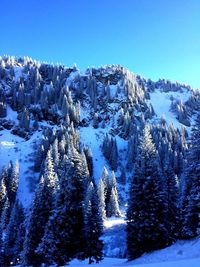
113,204
5,215
172,193
147,206
3,191
93,226
190,205
101,195
1,249
89,159
107,187
40,212
64,237
13,234
14,183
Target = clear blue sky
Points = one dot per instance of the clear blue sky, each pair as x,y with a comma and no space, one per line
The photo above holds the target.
154,38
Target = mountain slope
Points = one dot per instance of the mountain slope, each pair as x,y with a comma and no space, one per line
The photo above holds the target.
103,109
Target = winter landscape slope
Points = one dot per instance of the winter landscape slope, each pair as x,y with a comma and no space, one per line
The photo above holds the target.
161,102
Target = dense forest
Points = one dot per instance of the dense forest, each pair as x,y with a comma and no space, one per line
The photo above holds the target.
159,171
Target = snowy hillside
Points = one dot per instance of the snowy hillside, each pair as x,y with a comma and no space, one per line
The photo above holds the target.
77,137
181,254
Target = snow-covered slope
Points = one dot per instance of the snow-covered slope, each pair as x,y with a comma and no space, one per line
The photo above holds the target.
13,147
161,102
181,254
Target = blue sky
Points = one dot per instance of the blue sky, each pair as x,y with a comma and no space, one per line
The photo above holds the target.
154,38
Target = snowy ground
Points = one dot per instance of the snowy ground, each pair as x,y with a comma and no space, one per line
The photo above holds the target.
15,148
113,262
161,102
181,254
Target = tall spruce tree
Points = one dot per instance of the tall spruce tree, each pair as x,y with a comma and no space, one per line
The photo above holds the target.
93,226
40,212
113,204
14,180
101,195
172,194
3,191
147,205
190,205
14,235
1,249
64,237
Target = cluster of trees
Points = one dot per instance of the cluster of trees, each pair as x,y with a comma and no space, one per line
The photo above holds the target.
108,195
66,217
65,220
3,104
162,207
68,210
11,216
110,151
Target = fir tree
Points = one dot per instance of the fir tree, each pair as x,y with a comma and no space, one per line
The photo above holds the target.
64,237
147,206
93,226
89,159
13,234
2,262
3,191
101,195
190,194
172,202
14,183
5,214
40,212
113,204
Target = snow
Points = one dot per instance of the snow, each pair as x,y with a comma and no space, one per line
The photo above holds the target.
113,90
181,254
15,148
72,77
113,262
94,139
113,221
11,114
18,73
114,237
161,102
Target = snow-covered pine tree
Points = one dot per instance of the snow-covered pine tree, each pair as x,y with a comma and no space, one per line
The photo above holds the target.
14,180
147,205
93,226
190,205
5,215
1,248
25,119
55,154
64,237
14,235
40,157
101,195
113,204
172,188
40,212
89,159
3,191
107,188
